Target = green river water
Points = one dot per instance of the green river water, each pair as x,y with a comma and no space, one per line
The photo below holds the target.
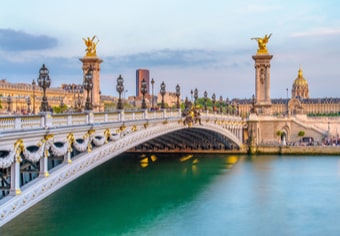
193,195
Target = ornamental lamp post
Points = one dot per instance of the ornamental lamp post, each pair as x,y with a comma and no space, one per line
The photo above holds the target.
163,91
195,96
120,89
152,99
213,98
88,85
178,93
221,103
9,101
143,90
227,105
44,82
205,100
33,88
28,105
79,103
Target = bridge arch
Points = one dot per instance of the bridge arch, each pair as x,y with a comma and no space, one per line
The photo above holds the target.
86,161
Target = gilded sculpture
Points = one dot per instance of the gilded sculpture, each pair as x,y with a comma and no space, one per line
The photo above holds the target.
262,43
91,46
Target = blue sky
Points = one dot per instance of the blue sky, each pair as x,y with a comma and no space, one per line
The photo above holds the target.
193,43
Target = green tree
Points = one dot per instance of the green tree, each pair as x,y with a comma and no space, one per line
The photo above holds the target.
301,133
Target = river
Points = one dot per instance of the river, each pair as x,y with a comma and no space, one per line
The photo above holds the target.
193,195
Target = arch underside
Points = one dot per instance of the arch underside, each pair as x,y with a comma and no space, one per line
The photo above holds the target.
193,139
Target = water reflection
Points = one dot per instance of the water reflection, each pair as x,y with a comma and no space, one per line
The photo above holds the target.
144,160
203,195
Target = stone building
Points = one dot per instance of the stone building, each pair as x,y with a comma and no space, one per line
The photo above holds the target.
300,86
23,98
299,103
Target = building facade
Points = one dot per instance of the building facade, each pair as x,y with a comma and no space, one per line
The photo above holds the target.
140,75
299,103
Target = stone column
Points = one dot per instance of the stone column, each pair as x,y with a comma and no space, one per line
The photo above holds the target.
95,62
44,166
15,178
262,83
67,158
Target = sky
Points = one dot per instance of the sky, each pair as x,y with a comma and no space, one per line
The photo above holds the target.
194,43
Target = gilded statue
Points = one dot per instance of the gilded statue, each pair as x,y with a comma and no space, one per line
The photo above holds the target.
262,43
91,46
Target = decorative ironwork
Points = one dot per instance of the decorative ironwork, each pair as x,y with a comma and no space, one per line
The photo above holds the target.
88,85
178,93
33,88
143,90
195,96
9,101
205,100
44,82
221,103
152,99
213,99
120,89
163,91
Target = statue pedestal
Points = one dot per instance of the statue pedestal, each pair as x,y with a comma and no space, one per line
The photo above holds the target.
94,61
262,83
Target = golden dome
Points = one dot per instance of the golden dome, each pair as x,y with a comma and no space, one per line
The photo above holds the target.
300,86
300,81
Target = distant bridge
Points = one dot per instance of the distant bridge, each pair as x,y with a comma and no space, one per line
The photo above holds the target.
42,153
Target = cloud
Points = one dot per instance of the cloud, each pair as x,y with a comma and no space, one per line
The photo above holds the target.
178,58
12,40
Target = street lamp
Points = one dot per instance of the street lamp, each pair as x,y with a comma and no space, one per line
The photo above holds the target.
143,90
74,88
33,88
152,99
44,82
120,89
195,96
213,98
205,100
88,85
221,103
9,101
192,92
79,103
227,105
28,105
162,94
178,93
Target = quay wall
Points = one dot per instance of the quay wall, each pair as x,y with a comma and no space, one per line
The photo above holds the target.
296,150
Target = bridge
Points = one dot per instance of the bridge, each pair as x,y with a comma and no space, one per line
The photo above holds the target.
41,153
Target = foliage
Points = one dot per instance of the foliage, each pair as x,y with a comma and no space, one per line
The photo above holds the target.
323,114
301,133
59,109
279,133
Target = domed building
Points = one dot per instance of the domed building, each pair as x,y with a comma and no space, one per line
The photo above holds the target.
299,103
300,87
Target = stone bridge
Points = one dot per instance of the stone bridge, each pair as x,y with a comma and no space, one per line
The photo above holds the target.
42,153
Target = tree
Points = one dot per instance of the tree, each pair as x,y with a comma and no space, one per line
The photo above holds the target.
279,133
301,133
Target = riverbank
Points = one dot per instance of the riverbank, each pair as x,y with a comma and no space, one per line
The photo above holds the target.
261,149
296,150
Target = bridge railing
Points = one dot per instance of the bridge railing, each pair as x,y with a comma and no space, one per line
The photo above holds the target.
47,119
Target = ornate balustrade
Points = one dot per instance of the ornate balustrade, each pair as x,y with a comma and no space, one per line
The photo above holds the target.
79,142
45,120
